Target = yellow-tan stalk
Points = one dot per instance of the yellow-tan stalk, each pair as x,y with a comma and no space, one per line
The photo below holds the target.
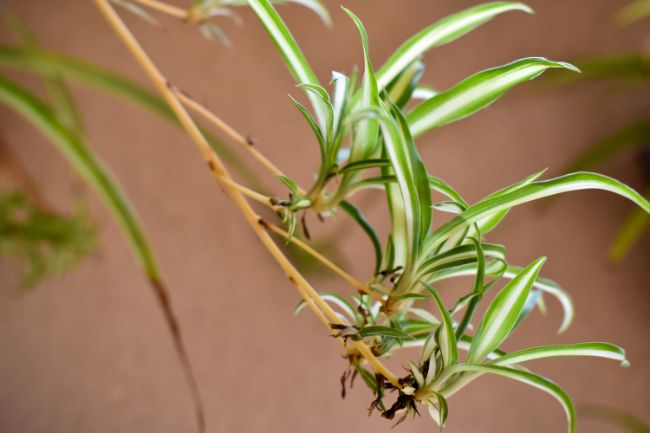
165,8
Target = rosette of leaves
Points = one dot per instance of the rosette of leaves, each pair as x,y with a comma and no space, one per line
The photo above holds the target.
373,127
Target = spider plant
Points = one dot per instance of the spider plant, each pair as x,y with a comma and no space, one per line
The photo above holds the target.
371,127
366,128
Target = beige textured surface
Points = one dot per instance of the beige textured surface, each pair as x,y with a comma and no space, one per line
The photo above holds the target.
88,351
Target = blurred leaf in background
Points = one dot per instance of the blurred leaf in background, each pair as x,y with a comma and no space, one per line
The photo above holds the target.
45,242
625,72
617,417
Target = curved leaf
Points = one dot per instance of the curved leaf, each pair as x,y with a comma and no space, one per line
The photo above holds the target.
444,31
531,379
502,314
476,93
455,228
600,350
290,51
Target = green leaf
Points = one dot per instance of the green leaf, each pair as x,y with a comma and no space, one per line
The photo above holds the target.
401,88
531,379
635,226
446,334
63,105
87,165
439,414
293,187
318,132
423,91
553,289
357,216
413,185
365,138
634,11
337,301
502,314
44,242
625,68
290,51
365,164
620,418
455,228
444,188
340,100
444,31
459,255
383,331
476,93
477,290
634,135
600,350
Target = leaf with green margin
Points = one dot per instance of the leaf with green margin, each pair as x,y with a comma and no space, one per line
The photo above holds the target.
365,164
501,316
290,51
444,31
531,379
552,288
446,335
599,350
357,216
456,227
365,138
383,331
336,300
476,93
401,89
477,290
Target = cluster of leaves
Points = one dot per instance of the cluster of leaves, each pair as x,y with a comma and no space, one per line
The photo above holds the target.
46,242
372,128
628,71
366,129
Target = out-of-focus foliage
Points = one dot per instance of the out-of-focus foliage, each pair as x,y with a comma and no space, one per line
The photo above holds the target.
627,72
616,417
45,242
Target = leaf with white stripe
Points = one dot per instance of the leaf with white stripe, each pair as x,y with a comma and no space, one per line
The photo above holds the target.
401,89
290,51
502,314
337,301
366,136
553,289
442,32
599,350
531,379
456,227
446,334
476,93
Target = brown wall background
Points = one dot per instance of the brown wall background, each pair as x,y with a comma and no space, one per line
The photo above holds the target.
89,352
